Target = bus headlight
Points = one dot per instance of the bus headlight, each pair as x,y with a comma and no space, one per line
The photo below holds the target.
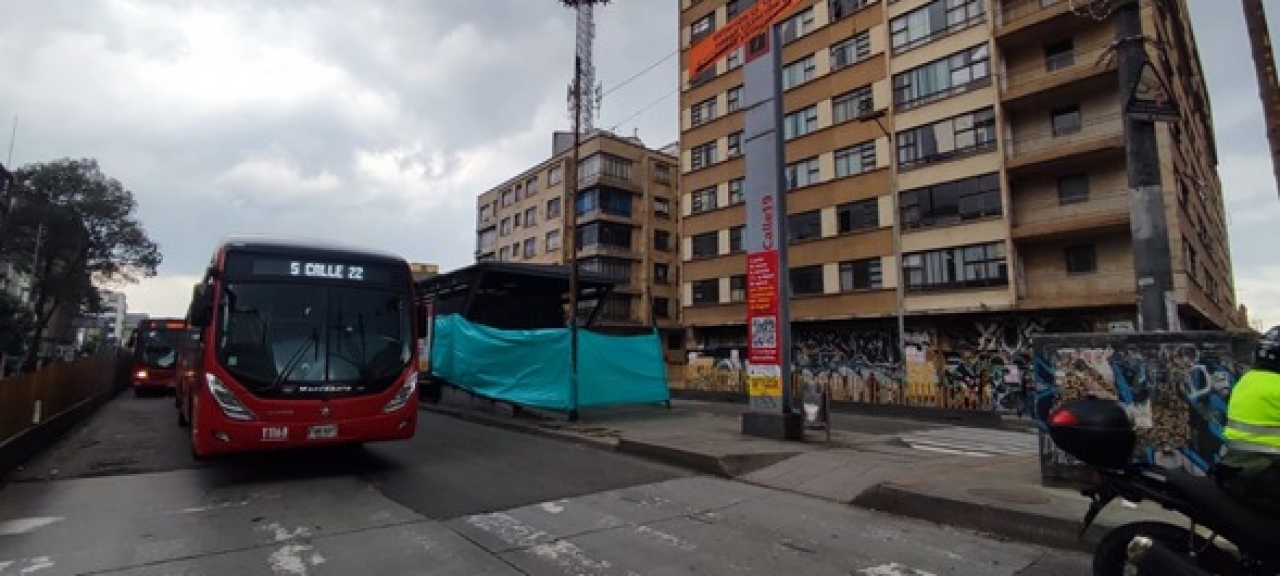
403,396
230,405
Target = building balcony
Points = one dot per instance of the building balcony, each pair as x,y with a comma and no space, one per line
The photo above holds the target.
1099,135
1080,72
1042,222
1021,20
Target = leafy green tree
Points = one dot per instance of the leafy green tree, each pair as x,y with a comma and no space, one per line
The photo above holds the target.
74,227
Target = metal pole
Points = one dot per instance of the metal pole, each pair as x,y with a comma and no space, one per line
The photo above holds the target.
899,290
571,238
1255,19
1152,262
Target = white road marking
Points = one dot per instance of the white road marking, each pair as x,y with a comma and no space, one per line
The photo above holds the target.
508,529
570,557
893,569
553,507
24,525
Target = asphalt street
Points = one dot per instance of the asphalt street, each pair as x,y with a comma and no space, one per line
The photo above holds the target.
121,495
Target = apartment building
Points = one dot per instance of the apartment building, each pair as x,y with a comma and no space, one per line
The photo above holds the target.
992,192
626,226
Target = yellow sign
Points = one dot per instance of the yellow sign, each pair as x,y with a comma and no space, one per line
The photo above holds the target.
764,385
756,20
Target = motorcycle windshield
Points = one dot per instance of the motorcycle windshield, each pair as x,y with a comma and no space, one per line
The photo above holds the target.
282,340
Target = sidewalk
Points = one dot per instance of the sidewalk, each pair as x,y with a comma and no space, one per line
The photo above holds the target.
976,478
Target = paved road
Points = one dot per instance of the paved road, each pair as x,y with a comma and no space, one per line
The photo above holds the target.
122,496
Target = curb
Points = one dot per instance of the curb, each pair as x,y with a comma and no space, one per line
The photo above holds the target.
17,451
1014,524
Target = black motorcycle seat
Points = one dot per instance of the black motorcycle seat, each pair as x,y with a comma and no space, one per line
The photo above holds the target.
1239,523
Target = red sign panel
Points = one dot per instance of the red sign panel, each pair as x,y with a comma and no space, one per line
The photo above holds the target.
762,308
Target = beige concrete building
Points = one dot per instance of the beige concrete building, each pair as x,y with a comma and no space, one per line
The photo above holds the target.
626,222
1003,139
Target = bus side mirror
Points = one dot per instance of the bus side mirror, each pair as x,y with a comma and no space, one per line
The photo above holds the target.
201,310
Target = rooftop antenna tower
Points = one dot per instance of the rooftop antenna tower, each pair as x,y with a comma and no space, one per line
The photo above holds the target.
584,92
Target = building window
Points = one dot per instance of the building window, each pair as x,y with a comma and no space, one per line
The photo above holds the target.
851,51
487,240
841,8
800,122
979,265
860,275
735,144
703,155
941,78
661,307
515,221
806,280
951,202
555,176
530,217
604,234
508,197
662,172
706,291
805,225
802,173
702,27
531,186
738,288
734,59
706,244
735,238
945,139
703,112
553,208
530,247
616,307
662,207
702,200
732,8
504,254
505,227
601,164
934,20
1059,55
1081,258
734,98
661,273
856,216
661,240
1066,120
851,105
1073,188
605,200
735,192
855,159
553,240
798,72
797,26
612,268
486,212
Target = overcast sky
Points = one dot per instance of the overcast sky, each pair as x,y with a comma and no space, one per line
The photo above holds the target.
378,122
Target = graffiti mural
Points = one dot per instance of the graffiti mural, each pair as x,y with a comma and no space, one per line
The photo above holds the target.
963,363
1175,386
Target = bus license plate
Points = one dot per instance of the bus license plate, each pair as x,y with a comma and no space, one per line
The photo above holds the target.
322,432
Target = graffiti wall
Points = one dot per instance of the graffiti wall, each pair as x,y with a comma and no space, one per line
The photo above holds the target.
967,363
1176,386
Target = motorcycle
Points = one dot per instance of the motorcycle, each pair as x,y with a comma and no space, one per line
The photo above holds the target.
1222,535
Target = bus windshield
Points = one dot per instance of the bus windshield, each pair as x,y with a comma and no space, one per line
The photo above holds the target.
291,340
156,347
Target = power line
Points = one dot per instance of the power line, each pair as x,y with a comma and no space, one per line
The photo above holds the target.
639,74
643,109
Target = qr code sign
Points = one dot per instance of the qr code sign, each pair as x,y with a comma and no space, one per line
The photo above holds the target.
764,332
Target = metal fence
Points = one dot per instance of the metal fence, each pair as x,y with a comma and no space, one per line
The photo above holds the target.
27,400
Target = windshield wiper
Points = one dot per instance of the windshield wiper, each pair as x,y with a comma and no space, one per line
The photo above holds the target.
294,360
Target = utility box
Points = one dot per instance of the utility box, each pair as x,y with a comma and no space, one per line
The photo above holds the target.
1174,386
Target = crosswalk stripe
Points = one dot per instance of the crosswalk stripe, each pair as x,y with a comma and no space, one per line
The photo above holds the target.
973,442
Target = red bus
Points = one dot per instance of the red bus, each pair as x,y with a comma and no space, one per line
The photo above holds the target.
298,343
154,355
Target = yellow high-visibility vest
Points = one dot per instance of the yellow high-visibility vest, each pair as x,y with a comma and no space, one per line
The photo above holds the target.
1253,413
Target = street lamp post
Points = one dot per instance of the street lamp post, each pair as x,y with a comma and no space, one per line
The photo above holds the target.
900,289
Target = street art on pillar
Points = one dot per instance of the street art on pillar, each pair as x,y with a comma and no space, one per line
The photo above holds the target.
1175,385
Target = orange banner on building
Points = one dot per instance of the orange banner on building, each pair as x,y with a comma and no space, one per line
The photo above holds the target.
745,26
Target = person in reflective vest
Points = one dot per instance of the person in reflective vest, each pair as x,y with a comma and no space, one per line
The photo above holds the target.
1250,471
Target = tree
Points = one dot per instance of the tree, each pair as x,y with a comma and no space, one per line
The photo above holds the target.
74,228
15,323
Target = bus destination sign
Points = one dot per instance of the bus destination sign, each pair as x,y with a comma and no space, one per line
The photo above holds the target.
343,271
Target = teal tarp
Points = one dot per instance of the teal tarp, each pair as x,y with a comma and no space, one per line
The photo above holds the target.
532,367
